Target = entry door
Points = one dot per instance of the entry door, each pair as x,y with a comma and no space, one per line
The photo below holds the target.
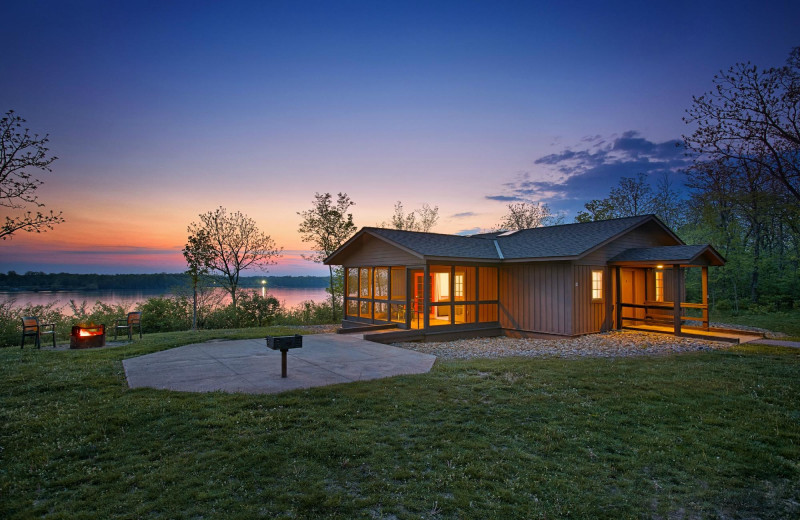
633,285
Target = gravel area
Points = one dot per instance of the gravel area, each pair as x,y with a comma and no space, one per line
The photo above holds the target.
610,344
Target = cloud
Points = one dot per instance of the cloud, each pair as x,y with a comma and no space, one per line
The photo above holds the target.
504,198
471,231
569,178
464,215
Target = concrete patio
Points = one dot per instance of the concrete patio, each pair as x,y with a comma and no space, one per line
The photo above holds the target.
248,366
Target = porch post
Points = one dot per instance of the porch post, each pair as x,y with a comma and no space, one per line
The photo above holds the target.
426,294
676,298
617,273
704,285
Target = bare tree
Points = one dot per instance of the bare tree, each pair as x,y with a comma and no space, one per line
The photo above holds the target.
668,204
752,117
21,152
236,244
327,226
526,215
423,219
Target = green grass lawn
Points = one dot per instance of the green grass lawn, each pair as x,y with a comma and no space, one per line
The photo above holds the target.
787,322
711,434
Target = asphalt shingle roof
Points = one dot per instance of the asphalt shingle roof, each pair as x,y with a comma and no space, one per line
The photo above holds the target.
564,240
435,244
567,240
656,254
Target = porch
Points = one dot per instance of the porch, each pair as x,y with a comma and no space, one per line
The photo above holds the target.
650,292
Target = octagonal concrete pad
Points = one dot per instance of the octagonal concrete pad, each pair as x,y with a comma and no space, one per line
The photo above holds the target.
249,366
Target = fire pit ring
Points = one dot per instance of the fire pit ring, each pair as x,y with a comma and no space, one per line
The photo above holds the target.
87,336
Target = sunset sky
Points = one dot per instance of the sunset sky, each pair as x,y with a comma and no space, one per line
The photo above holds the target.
159,111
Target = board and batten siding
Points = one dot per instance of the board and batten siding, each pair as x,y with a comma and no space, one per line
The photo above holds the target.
589,315
537,297
371,251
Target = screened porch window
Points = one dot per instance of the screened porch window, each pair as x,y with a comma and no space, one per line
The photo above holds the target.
376,294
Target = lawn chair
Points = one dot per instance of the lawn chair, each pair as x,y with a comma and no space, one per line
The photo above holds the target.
32,328
134,319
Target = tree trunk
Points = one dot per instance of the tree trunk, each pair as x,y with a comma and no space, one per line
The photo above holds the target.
194,306
333,295
754,274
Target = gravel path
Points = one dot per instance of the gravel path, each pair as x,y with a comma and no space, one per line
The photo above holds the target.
610,344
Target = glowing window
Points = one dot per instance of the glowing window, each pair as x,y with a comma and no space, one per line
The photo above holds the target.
659,286
459,286
597,285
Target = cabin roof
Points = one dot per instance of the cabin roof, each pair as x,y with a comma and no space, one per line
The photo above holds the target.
564,242
439,245
683,255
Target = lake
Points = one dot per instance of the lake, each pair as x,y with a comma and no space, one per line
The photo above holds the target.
289,297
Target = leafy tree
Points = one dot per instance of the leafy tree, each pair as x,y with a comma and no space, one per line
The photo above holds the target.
198,253
752,117
633,196
235,244
596,209
327,226
423,219
21,152
526,215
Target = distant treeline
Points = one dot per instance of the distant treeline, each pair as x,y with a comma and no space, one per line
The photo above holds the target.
37,281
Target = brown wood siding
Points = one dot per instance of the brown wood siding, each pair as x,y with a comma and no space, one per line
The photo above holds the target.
647,235
589,315
371,251
537,297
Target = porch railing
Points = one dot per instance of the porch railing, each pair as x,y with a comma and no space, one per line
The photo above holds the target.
663,318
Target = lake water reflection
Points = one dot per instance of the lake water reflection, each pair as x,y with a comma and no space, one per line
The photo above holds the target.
289,297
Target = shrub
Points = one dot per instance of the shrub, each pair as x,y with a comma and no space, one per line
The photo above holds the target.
166,314
219,318
307,313
256,310
723,305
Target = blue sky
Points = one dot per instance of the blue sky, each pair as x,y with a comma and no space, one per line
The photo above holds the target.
160,111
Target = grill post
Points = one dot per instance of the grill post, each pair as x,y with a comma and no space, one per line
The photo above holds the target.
284,343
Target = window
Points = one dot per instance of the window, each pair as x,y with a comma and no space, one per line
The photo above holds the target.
464,284
487,312
381,283
458,289
597,285
398,313
659,286
381,311
398,283
365,289
464,314
487,281
352,282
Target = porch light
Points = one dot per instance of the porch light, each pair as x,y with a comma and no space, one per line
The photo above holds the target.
659,267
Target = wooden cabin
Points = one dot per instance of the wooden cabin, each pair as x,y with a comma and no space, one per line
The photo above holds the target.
564,280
